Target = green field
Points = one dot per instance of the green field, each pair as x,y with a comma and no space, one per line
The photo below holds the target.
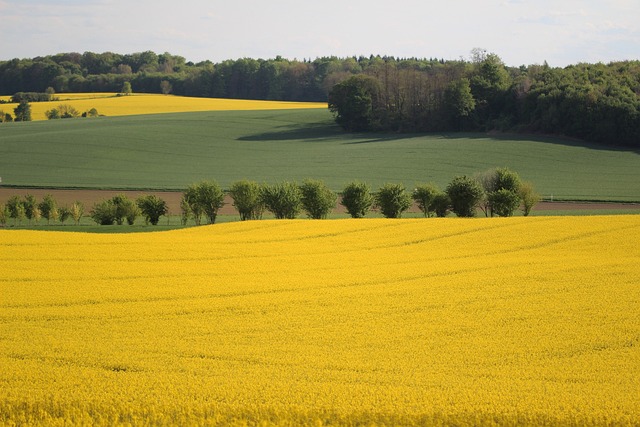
170,151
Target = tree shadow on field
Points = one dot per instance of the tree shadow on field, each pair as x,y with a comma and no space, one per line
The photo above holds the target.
548,139
325,131
308,132
330,131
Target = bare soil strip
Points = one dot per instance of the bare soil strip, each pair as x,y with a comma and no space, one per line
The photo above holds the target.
90,197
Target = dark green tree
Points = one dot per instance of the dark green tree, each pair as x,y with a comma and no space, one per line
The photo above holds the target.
125,209
104,212
464,193
48,208
459,102
204,198
441,204
64,213
283,199
393,200
152,208
30,206
424,195
22,112
355,103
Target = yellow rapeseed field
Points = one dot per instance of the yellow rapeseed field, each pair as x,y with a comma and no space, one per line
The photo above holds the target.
516,321
109,104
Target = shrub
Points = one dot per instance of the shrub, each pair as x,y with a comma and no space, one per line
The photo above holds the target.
30,206
104,213
357,199
4,214
503,202
77,210
64,111
152,208
464,194
317,199
64,214
246,199
204,198
117,209
441,204
48,208
392,199
283,199
125,209
529,197
185,210
494,180
424,196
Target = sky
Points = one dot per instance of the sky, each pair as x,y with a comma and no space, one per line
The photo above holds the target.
521,32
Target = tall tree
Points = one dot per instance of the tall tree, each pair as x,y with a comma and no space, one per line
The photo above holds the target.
22,112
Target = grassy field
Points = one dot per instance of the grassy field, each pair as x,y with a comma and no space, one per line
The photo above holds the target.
170,151
109,104
516,321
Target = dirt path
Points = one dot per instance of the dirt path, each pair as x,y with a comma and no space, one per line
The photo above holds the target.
90,197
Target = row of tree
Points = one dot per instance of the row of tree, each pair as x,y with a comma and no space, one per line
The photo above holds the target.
28,208
597,102
115,210
496,192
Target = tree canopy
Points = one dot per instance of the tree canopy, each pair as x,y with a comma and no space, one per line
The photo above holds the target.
595,102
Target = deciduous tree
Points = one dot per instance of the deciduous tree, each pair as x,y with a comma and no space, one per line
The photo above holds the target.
393,200
317,199
464,193
357,199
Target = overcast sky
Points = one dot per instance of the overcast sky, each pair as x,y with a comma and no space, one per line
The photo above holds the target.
519,31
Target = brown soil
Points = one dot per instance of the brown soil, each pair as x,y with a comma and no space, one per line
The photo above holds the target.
90,197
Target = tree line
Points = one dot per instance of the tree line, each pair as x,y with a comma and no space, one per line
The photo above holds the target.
595,102
496,192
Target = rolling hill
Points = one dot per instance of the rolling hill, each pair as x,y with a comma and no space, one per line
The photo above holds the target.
170,151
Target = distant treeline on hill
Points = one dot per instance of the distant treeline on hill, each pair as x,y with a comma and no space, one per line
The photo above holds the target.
596,102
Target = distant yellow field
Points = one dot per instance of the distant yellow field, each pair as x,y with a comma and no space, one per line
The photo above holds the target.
109,104
515,321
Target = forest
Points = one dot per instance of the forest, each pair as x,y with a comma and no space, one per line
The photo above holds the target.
595,102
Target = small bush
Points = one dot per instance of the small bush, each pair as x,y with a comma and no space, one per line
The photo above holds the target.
283,199
392,199
77,210
104,213
504,202
64,213
152,208
126,209
424,196
441,204
357,199
464,193
48,208
529,197
204,198
115,210
246,199
317,199
4,214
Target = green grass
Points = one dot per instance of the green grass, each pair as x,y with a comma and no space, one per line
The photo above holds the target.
170,151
